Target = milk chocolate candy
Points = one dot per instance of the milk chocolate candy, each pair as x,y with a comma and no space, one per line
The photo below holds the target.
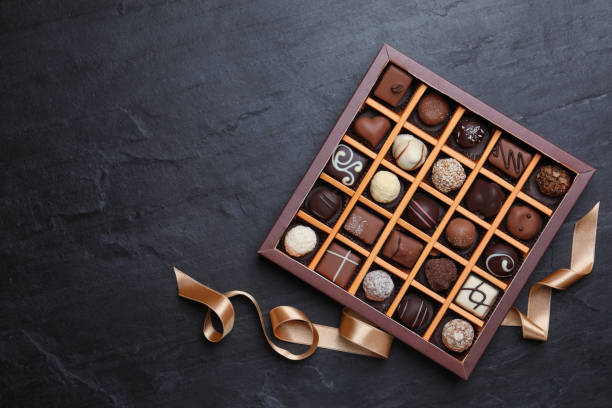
509,158
402,249
393,85
363,225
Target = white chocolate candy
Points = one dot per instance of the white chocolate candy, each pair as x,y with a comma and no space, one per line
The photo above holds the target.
477,296
409,152
300,240
385,187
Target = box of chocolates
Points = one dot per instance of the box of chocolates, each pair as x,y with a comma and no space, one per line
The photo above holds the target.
425,211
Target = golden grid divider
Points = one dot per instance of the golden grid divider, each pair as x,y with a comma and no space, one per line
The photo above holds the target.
403,223
404,203
395,217
369,174
466,161
442,225
481,246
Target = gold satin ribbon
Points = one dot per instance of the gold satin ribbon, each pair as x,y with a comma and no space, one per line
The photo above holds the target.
354,335
535,324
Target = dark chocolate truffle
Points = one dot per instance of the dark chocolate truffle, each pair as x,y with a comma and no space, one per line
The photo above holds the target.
501,260
553,181
433,109
457,335
415,312
440,273
461,233
422,212
402,249
523,222
324,203
345,165
393,85
469,132
372,128
485,198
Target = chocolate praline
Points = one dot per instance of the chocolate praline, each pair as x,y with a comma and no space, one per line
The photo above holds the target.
501,260
469,132
422,212
415,312
377,285
523,222
485,198
441,273
553,181
457,335
324,203
461,233
432,109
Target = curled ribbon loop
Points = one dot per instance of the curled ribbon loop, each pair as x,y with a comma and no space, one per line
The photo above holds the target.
535,324
355,335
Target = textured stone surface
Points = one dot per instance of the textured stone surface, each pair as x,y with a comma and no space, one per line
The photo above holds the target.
137,135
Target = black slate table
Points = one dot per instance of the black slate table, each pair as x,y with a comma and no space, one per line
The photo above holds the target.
137,135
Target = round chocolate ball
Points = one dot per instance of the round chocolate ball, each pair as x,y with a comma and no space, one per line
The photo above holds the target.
485,198
441,273
553,180
469,132
433,109
501,260
385,187
457,335
523,222
300,240
415,312
461,233
324,203
409,152
447,175
377,285
422,212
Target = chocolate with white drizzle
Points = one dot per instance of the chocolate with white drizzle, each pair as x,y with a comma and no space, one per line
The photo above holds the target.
345,165
415,312
501,260
509,158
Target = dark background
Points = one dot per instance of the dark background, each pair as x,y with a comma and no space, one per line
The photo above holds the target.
137,135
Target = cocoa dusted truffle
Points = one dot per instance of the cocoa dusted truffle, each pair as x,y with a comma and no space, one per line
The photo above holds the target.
523,222
461,233
385,187
501,260
485,198
415,312
447,175
441,273
422,212
372,128
553,180
378,285
324,203
300,240
432,109
457,335
470,131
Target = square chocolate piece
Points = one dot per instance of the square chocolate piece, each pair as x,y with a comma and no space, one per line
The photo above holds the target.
363,225
345,165
338,264
509,158
477,296
393,85
402,249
